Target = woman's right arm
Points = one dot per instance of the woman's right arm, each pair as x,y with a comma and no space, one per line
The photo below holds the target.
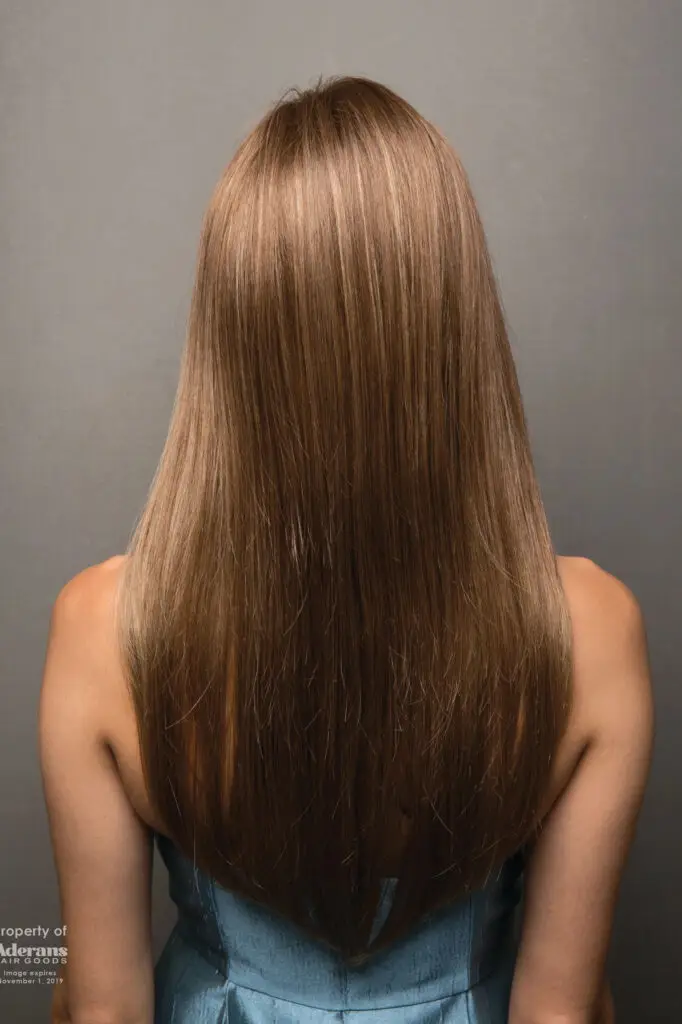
576,865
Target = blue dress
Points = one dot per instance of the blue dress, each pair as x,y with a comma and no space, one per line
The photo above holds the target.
229,961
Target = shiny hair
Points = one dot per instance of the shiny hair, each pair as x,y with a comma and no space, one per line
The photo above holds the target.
342,621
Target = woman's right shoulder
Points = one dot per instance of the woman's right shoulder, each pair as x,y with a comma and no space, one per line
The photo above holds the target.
611,679
575,867
587,583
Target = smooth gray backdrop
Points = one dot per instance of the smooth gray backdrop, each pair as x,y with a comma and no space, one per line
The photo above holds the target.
116,120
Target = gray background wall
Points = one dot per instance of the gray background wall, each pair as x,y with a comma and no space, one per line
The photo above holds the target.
116,120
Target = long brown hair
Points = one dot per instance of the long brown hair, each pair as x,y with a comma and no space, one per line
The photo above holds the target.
341,607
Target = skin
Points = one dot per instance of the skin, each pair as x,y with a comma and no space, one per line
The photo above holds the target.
101,819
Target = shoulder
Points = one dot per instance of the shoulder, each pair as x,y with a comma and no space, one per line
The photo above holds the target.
612,685
83,608
602,607
81,658
578,856
102,848
87,592
604,611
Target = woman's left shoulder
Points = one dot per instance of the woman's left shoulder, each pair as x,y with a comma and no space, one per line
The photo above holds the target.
82,621
87,593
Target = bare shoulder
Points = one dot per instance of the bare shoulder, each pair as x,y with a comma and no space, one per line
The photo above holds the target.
102,850
590,588
574,873
86,598
81,648
81,590
612,683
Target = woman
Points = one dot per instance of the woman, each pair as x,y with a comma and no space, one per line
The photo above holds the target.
340,674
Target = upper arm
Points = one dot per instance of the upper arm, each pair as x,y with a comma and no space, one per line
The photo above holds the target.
102,849
576,865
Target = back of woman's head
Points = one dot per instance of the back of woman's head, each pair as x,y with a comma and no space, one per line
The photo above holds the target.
342,621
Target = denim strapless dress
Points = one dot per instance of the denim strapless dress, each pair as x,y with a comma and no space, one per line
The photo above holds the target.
229,961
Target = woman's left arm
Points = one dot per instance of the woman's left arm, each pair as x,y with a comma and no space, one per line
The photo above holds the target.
102,850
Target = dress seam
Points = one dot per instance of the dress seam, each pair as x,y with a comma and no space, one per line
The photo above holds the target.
467,1001
224,955
347,1009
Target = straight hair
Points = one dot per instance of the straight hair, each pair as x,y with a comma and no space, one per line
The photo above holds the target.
340,614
